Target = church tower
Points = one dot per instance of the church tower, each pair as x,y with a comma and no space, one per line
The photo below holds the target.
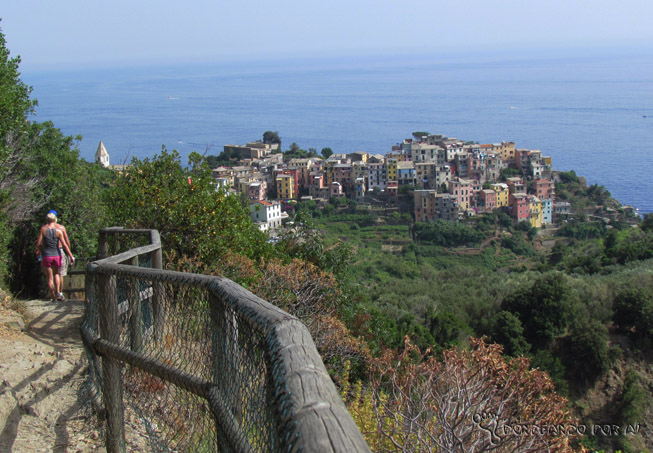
101,155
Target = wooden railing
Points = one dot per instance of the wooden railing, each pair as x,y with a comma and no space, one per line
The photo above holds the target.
205,343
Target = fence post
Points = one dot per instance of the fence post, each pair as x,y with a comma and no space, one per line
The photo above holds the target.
158,308
102,246
111,372
135,316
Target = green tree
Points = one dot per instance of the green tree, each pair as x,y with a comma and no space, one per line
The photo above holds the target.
181,202
587,355
569,177
509,332
647,223
40,170
598,194
326,152
542,308
633,313
271,137
447,329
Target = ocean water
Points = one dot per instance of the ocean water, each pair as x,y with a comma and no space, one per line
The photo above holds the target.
592,115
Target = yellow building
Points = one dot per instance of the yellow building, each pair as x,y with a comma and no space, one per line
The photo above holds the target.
536,216
391,164
285,187
502,194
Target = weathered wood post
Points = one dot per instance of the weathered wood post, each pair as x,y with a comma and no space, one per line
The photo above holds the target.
158,301
135,316
111,372
102,247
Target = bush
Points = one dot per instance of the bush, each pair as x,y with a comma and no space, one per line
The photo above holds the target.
582,230
543,309
193,218
509,332
586,352
635,399
517,245
633,314
446,233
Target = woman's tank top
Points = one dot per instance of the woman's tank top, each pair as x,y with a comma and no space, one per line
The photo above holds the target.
51,243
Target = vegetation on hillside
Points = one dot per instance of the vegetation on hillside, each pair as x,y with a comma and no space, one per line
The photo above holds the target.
561,300
396,308
40,170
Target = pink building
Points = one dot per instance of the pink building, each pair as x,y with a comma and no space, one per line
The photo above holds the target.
544,189
335,190
519,206
463,191
392,189
487,200
257,191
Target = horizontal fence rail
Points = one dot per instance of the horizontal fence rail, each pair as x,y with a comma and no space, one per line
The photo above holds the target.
205,364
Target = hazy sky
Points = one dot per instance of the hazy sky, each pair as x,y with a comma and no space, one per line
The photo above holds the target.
81,33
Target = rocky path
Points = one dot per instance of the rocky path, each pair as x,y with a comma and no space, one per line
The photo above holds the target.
42,372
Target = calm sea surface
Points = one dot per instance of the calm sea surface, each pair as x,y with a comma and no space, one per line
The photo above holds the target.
591,115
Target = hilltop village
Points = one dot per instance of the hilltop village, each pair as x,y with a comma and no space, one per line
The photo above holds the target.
451,179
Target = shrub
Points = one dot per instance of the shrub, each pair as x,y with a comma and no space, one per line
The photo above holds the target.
586,352
418,405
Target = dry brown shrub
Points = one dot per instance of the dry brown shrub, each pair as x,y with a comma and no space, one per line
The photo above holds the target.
469,400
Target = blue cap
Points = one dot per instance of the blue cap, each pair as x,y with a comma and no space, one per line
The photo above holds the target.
53,212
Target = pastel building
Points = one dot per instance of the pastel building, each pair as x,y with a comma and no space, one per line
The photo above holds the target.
303,168
487,200
520,207
285,187
535,211
463,190
506,150
503,193
266,214
547,211
544,189
391,165
257,190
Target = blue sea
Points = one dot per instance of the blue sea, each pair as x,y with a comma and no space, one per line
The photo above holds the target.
593,114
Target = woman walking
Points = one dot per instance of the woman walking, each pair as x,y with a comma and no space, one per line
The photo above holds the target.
47,246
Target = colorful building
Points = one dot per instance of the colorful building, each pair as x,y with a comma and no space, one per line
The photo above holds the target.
503,193
285,187
520,207
463,190
535,211
487,200
265,214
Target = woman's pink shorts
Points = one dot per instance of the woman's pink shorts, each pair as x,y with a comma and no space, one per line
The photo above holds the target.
51,261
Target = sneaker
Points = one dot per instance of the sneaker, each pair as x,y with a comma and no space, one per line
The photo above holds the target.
60,296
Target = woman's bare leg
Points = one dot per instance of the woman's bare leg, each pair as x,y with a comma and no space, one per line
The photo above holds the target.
57,279
49,276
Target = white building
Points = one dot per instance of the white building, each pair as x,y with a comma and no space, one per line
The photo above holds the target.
101,155
266,214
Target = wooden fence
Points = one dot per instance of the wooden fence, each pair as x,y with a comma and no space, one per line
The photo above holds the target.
212,350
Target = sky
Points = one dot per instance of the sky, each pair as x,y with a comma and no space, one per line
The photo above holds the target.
88,33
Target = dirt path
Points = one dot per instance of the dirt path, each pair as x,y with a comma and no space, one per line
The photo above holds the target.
42,372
